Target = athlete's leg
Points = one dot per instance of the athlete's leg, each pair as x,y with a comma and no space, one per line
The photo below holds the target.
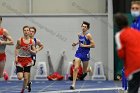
85,67
2,65
26,74
27,78
25,82
20,75
75,72
3,73
19,72
33,64
29,82
89,69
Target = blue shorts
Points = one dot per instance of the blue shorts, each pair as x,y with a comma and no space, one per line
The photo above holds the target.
83,56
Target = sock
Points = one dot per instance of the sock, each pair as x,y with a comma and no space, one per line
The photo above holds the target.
83,76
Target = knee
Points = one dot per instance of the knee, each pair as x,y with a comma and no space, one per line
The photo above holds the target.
75,69
25,78
20,77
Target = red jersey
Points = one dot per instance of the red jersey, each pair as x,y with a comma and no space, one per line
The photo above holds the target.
128,48
2,47
24,56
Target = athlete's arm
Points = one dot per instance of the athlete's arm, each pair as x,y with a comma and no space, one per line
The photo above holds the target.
16,50
40,45
76,43
33,49
9,40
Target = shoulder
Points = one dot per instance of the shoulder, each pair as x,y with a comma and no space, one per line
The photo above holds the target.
36,40
5,31
19,40
79,34
89,35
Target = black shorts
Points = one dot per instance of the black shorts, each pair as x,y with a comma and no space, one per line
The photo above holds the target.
23,69
33,57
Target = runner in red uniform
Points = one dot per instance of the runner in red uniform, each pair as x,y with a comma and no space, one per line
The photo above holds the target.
24,49
5,39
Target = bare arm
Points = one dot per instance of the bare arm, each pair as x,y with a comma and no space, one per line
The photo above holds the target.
76,43
33,49
9,40
16,50
40,46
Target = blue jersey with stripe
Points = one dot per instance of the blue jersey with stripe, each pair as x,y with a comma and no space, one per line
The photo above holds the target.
83,39
136,23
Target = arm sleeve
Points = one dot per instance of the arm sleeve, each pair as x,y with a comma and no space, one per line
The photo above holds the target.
120,48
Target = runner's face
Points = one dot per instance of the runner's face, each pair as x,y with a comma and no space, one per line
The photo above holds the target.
32,32
26,31
84,27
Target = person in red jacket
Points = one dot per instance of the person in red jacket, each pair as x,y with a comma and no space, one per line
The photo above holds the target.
80,72
128,49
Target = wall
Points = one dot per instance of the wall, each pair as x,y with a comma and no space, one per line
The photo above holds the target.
52,6
69,6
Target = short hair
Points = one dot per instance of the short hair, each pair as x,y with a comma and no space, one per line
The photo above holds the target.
33,28
135,2
86,23
25,27
0,18
121,20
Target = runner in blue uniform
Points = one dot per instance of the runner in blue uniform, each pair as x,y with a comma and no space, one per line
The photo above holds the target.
38,46
83,53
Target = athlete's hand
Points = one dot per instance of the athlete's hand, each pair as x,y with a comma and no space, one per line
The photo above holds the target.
32,52
16,60
74,44
82,45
